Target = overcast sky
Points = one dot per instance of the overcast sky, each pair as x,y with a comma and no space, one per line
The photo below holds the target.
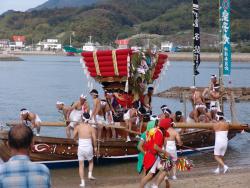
20,5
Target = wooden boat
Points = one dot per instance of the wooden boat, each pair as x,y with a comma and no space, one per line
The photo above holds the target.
57,150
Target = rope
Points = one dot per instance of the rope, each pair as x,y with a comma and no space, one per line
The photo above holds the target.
115,63
97,68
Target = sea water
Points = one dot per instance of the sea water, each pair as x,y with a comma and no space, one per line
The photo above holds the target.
39,81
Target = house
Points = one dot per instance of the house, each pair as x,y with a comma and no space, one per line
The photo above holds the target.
18,42
4,43
122,44
167,46
49,44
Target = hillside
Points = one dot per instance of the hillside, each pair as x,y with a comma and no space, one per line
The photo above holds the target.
52,4
111,19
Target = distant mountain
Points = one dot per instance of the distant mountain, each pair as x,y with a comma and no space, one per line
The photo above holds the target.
108,20
51,4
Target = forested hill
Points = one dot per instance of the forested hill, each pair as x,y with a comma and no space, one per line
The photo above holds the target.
108,20
52,4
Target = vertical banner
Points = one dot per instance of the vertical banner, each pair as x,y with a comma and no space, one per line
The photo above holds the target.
226,35
196,37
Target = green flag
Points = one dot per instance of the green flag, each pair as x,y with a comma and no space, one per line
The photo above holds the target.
226,35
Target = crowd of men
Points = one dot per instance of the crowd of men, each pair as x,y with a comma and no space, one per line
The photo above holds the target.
157,145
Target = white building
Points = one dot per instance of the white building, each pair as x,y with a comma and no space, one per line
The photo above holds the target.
49,44
167,46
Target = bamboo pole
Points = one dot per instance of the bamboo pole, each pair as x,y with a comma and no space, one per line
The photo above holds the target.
210,126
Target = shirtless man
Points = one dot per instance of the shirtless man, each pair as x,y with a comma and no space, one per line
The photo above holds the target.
97,115
197,111
166,112
86,137
212,114
170,148
215,96
131,118
196,96
74,114
212,82
146,100
109,118
221,131
64,110
27,116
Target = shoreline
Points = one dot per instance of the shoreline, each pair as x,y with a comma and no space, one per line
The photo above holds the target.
197,178
10,57
173,56
207,56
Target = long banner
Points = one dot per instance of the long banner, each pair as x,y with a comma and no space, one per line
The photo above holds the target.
196,37
226,35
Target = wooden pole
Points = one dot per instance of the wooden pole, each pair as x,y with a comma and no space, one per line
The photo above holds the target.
210,126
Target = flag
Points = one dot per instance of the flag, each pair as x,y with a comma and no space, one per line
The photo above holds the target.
196,37
226,35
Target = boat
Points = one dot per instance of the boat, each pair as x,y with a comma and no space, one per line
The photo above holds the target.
52,150
119,70
90,46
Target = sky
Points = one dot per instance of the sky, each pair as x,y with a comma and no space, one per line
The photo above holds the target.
19,5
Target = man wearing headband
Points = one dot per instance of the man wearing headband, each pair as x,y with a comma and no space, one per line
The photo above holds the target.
166,112
65,110
27,116
74,115
146,100
221,141
213,82
215,96
196,97
98,114
87,147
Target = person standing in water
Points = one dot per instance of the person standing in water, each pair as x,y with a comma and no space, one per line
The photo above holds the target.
26,116
221,141
85,134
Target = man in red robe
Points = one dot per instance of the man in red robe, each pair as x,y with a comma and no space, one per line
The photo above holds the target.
153,148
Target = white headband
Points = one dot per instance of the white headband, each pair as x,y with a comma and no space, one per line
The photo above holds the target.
83,96
85,120
103,103
218,117
200,106
23,112
192,87
213,76
59,102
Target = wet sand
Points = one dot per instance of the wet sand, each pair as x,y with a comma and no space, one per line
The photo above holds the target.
237,177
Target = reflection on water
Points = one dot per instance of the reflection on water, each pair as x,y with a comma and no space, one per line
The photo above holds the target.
39,81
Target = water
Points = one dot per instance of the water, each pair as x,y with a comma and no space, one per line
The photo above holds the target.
39,81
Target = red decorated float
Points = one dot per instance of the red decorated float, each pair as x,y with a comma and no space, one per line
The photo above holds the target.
124,69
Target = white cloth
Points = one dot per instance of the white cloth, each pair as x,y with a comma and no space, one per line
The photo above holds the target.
215,103
38,120
100,120
85,150
156,166
75,117
109,117
221,142
171,149
126,116
190,120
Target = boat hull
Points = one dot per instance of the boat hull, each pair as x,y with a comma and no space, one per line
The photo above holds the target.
55,150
